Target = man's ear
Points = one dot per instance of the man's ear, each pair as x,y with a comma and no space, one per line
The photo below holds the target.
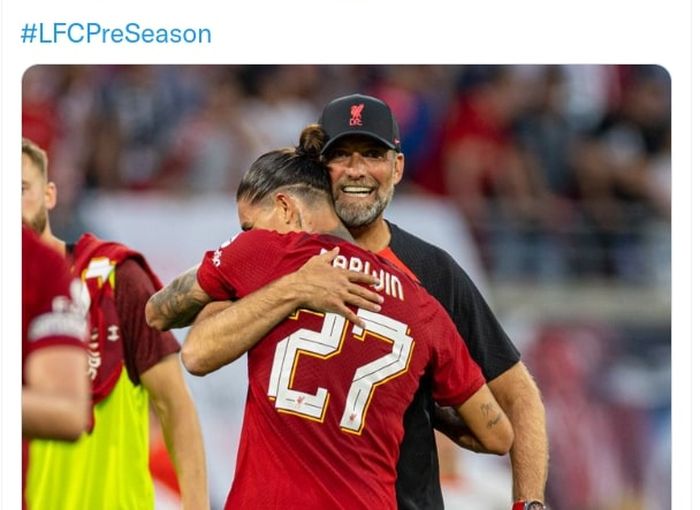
399,162
50,196
287,208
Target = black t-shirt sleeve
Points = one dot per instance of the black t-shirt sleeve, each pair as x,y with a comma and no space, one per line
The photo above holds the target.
443,278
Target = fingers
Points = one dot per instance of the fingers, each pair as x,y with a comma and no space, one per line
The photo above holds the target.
328,256
357,277
368,295
347,313
360,302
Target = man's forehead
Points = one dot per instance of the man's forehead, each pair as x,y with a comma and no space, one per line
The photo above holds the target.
30,170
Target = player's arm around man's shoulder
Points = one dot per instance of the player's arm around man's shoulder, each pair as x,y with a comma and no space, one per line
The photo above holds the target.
224,331
177,304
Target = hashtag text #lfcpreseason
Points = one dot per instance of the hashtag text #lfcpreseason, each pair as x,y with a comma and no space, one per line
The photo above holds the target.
95,33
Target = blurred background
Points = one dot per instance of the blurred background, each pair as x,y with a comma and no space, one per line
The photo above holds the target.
551,185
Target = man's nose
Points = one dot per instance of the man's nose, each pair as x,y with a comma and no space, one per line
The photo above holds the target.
356,164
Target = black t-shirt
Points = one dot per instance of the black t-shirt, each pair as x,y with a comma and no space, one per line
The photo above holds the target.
418,481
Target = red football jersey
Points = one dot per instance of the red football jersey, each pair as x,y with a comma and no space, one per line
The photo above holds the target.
50,313
324,414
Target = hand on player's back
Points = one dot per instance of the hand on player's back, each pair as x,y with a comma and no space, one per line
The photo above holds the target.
325,288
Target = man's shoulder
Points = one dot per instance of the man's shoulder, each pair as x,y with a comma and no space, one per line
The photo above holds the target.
90,246
405,244
128,264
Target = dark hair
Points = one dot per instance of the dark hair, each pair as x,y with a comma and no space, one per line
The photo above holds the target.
299,168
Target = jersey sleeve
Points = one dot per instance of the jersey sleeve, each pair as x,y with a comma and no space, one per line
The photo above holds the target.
143,346
456,376
57,318
240,265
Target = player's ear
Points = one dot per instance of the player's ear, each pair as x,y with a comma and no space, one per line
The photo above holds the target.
50,195
286,208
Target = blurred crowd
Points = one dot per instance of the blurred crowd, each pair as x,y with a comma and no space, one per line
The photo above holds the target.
606,389
562,172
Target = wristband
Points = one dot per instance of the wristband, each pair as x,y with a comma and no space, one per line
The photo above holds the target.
529,505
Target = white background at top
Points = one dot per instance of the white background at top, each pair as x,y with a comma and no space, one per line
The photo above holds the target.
371,31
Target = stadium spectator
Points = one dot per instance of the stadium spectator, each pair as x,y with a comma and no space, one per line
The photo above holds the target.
485,171
130,365
212,145
136,112
277,105
618,191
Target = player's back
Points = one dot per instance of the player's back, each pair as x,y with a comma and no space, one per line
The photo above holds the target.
323,420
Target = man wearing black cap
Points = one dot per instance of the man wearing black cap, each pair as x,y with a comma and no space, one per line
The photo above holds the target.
363,152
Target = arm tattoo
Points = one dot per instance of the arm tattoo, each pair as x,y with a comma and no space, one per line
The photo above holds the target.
488,412
179,303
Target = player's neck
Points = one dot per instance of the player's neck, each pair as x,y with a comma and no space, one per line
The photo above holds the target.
330,224
373,237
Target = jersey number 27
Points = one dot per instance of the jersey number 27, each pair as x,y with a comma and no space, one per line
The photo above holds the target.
325,343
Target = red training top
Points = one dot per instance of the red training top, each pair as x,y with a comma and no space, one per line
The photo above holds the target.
324,413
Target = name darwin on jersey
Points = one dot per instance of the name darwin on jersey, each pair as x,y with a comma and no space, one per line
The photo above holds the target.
389,283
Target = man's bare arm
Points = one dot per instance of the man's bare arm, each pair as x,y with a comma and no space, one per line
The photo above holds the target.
177,304
316,285
222,337
520,398
56,399
178,419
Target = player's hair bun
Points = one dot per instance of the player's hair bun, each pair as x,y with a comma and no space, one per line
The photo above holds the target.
311,142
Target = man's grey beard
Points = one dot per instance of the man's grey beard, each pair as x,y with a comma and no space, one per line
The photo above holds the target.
356,215
38,222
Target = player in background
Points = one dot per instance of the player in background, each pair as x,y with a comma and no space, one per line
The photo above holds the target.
363,152
55,388
324,414
129,366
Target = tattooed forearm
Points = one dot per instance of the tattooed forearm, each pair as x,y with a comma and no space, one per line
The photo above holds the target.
491,415
177,305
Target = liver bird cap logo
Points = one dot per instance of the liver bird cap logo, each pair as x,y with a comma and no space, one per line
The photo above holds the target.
356,114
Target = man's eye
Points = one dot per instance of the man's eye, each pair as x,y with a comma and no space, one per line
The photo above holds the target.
337,155
374,154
